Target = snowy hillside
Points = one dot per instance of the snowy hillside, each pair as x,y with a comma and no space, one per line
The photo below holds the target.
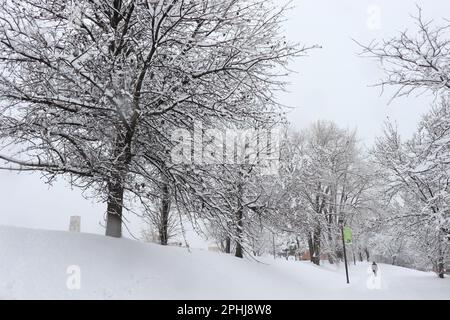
34,264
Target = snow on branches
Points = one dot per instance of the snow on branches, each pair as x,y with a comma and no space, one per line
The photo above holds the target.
93,89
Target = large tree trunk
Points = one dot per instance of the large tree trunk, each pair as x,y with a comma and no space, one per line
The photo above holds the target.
367,254
122,154
239,251
297,250
310,247
165,211
273,246
441,261
316,245
114,210
239,217
330,238
228,245
441,268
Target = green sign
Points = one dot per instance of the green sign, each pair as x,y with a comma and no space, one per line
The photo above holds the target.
348,236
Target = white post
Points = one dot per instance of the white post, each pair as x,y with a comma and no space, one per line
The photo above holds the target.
75,224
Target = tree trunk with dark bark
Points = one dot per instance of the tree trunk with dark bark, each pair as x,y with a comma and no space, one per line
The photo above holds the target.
239,251
239,218
165,211
316,245
114,210
330,237
228,245
273,246
310,247
441,267
116,190
367,254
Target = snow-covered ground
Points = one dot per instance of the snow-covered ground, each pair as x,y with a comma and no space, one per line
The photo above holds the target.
41,264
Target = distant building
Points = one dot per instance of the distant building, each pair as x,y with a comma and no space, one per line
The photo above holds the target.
305,256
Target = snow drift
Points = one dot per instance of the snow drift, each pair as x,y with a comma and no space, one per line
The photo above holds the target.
38,264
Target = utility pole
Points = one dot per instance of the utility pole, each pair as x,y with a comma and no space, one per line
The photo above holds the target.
341,224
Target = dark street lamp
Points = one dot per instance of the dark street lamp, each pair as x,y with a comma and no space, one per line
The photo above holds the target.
341,225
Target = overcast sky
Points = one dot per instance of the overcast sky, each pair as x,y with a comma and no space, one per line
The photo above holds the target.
332,83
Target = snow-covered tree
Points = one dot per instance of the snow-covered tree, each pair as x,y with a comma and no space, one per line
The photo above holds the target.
237,201
415,60
416,174
93,89
324,178
416,170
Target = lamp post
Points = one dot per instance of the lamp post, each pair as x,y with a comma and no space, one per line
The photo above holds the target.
341,225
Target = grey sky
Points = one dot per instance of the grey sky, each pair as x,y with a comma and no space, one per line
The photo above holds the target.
331,83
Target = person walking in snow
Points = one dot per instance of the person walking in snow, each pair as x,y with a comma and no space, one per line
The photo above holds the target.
374,268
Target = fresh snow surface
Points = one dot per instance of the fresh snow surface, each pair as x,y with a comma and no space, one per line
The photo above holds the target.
34,265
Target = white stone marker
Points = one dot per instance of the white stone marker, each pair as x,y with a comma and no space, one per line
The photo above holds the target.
75,224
